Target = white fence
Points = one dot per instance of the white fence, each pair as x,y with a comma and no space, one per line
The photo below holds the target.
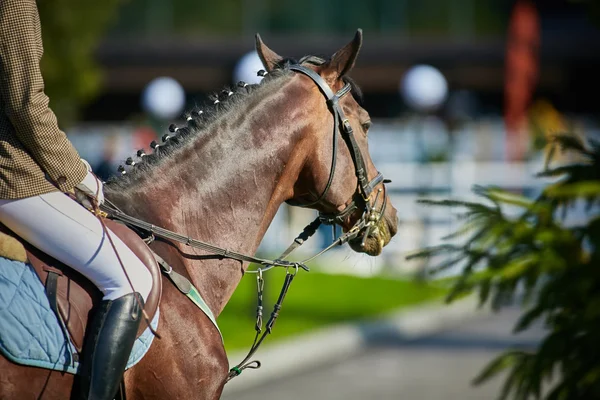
419,226
398,148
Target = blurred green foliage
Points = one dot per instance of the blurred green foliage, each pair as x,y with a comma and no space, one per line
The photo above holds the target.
315,300
513,248
71,31
593,10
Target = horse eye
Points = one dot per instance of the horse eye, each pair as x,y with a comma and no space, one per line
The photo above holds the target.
366,125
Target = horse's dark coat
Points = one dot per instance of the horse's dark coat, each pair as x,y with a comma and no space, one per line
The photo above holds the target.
223,184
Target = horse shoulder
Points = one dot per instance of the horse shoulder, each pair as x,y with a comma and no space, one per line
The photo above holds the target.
188,361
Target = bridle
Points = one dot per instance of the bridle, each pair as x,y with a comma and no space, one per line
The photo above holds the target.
360,200
365,188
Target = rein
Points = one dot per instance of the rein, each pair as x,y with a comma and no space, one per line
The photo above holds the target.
114,213
362,199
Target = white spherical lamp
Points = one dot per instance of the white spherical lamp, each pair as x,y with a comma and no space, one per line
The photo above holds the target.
247,67
164,98
424,88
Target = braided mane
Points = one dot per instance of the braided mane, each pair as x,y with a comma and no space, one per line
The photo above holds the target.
199,119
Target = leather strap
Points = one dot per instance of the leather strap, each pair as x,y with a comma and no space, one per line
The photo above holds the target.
51,289
332,102
366,187
182,283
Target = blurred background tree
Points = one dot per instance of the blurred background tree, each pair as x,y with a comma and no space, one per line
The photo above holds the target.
312,17
71,32
545,254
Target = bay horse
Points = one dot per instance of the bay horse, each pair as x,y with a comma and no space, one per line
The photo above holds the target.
221,179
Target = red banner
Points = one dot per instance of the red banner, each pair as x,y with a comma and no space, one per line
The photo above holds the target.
522,51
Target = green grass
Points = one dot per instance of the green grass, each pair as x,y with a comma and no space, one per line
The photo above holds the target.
315,300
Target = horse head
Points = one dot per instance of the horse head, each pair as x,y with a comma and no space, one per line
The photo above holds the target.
338,177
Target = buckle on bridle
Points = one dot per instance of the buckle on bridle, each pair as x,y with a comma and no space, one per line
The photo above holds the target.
346,125
367,198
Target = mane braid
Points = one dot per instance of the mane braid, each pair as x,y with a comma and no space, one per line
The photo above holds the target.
200,119
197,121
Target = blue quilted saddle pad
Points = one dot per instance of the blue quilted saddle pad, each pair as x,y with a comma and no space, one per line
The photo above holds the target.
30,333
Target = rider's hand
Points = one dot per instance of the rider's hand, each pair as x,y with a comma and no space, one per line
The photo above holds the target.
90,188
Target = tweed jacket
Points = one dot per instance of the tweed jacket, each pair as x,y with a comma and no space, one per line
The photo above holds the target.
35,155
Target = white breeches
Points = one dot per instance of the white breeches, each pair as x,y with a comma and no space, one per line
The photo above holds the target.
61,227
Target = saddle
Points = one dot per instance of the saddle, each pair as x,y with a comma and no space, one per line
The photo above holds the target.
72,296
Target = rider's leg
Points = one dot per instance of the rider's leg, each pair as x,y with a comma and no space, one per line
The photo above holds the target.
108,345
61,227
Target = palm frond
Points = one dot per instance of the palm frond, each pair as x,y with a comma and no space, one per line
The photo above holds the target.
569,142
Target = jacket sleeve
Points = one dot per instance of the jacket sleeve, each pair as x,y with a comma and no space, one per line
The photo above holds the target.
22,91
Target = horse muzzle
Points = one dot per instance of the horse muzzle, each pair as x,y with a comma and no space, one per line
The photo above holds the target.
378,235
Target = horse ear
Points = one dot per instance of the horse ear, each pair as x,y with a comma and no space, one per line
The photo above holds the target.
269,58
343,60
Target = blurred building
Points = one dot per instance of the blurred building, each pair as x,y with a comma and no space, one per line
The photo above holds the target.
199,42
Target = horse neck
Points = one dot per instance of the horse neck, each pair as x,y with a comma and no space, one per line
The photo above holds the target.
225,189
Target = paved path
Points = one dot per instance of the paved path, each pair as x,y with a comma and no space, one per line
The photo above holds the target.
432,368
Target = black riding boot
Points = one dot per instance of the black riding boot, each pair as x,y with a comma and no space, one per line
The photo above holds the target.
108,345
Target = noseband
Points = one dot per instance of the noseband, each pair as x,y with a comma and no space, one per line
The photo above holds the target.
362,197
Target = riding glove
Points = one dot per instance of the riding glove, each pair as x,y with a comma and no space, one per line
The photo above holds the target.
90,188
